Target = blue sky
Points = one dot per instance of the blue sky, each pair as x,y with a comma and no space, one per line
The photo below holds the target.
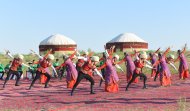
92,23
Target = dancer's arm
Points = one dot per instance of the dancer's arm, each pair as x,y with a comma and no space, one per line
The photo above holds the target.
167,51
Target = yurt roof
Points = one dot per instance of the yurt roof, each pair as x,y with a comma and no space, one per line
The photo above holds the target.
127,37
57,39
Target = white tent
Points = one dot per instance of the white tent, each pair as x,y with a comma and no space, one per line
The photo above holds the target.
125,41
58,39
127,37
58,43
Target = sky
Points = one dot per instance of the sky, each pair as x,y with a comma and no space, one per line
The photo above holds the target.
92,23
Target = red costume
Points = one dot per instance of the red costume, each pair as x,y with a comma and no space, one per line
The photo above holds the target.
13,70
87,68
15,64
41,72
165,75
72,73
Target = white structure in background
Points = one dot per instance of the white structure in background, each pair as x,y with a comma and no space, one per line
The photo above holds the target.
58,43
125,41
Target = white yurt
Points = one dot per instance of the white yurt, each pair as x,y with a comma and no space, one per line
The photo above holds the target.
124,42
58,43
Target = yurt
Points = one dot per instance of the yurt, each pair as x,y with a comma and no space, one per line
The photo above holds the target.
126,41
58,43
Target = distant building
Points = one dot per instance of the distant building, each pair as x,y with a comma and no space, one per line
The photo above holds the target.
125,41
58,43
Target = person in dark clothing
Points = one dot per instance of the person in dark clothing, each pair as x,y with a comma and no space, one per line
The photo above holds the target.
17,61
139,63
103,71
44,63
86,72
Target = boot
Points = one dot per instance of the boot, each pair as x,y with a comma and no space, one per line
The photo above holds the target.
16,84
46,86
5,83
92,89
127,87
72,92
29,87
100,83
144,87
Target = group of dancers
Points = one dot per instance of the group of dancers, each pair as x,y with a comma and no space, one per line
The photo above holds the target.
88,65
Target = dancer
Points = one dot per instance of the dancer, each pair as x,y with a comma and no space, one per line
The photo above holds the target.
72,73
130,66
139,63
158,70
111,77
20,70
165,74
103,71
33,68
44,63
81,61
55,64
152,58
17,61
61,73
183,64
7,67
86,72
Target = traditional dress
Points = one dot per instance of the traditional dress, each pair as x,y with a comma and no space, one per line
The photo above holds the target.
111,77
42,71
43,78
153,59
20,70
86,72
138,72
14,70
81,61
79,64
165,74
155,68
103,71
130,66
33,69
183,66
72,73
